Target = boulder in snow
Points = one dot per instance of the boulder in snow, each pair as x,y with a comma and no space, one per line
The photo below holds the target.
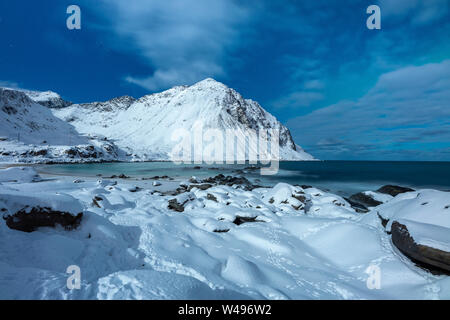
29,220
27,213
433,259
394,190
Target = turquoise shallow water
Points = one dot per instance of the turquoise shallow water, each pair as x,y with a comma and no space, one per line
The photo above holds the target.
342,177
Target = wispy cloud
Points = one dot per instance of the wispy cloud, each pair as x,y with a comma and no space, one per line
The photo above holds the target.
416,12
407,108
182,40
298,99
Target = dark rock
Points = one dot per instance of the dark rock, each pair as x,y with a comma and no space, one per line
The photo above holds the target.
174,192
299,197
221,230
30,220
135,189
37,153
9,110
176,206
71,152
384,221
95,203
360,208
394,190
220,179
211,197
240,220
204,186
121,176
365,200
337,203
435,260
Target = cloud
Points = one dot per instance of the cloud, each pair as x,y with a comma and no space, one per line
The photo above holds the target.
407,108
417,12
314,84
298,99
182,40
303,88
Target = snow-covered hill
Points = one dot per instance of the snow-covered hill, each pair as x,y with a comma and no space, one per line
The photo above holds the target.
29,122
144,127
29,132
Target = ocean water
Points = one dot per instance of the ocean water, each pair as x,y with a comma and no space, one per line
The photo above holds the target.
341,177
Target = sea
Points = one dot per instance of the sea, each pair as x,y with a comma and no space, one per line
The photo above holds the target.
339,177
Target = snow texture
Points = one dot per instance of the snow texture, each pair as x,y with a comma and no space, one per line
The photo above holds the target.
294,243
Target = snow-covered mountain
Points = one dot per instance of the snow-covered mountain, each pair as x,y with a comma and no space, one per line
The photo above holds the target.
42,127
144,127
30,132
32,123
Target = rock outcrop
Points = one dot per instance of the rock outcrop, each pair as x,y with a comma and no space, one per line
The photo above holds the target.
29,220
435,260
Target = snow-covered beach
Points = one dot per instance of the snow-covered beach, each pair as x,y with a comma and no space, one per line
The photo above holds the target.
216,238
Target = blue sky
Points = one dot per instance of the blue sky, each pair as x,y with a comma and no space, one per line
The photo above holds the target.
345,92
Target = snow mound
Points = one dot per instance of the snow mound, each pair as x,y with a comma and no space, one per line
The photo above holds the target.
13,201
426,214
134,285
19,175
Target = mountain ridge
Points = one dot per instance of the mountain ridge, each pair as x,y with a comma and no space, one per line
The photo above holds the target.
142,127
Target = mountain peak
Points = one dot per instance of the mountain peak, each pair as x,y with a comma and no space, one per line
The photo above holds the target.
48,98
209,82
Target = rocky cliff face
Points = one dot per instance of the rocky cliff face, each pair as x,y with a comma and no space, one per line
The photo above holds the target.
47,99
